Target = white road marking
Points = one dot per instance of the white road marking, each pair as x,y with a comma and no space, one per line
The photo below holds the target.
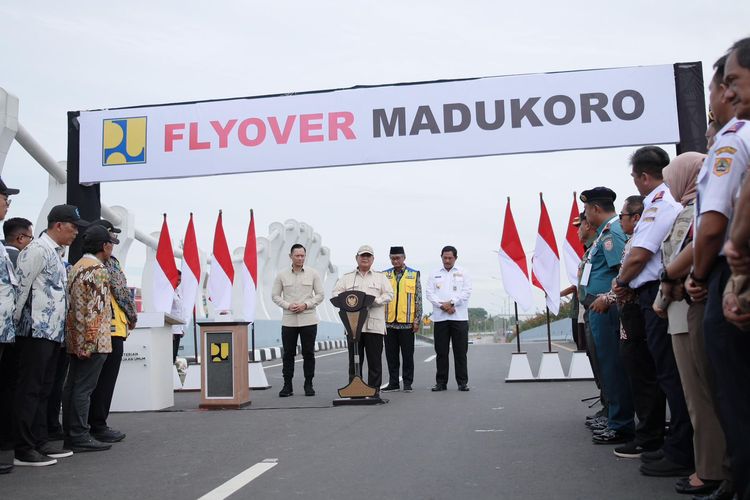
240,480
488,430
300,360
386,385
499,408
430,358
563,347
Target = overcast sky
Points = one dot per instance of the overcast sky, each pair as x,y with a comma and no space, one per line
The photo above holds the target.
65,56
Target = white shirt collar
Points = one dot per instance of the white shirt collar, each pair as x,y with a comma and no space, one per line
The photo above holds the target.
52,244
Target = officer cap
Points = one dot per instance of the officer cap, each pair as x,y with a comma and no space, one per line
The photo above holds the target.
578,220
600,193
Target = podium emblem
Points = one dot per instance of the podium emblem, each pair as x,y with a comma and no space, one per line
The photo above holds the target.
219,351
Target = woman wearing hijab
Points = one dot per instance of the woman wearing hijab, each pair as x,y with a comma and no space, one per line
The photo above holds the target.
686,329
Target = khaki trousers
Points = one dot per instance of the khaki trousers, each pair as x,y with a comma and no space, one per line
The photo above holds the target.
708,438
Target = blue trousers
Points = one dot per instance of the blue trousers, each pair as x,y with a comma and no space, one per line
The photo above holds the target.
605,328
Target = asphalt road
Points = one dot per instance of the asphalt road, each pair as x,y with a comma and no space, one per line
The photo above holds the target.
522,440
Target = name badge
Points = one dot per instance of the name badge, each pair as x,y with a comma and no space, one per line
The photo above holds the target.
586,274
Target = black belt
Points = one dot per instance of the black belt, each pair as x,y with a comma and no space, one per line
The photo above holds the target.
646,286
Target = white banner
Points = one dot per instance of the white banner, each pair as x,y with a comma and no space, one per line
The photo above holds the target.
422,121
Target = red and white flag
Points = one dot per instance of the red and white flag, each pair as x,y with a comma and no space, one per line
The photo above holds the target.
572,248
165,271
222,273
513,266
191,271
250,273
545,264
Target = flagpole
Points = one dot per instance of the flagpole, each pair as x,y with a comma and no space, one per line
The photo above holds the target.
195,334
549,334
518,329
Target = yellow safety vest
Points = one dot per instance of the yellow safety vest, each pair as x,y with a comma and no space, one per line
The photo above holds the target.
119,320
404,304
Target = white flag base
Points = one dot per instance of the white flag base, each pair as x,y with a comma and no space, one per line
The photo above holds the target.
176,382
580,368
520,369
256,376
192,380
550,368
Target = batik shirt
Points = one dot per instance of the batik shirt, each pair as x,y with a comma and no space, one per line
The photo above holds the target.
42,284
90,311
8,292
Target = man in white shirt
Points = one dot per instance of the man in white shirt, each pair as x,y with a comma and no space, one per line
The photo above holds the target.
640,271
449,289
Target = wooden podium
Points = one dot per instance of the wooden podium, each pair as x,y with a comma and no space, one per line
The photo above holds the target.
353,305
224,368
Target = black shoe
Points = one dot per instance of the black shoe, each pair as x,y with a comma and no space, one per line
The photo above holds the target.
665,468
391,388
611,437
684,487
5,468
86,445
725,491
599,432
32,459
463,388
631,450
652,456
439,387
108,435
286,391
407,388
309,391
53,451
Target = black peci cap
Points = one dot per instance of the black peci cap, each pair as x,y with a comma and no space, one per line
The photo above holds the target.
397,251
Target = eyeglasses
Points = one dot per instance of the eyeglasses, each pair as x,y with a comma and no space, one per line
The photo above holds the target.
6,200
366,255
627,214
29,236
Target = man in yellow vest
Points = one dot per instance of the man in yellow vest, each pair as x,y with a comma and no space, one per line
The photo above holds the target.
402,317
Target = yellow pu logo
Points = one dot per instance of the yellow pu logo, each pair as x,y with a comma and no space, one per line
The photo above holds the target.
219,351
124,141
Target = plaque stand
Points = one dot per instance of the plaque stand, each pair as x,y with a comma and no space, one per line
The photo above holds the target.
353,306
224,373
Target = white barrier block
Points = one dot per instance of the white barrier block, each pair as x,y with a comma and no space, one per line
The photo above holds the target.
257,376
580,367
192,378
550,368
520,369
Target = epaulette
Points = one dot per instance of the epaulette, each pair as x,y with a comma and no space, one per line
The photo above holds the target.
658,196
734,128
